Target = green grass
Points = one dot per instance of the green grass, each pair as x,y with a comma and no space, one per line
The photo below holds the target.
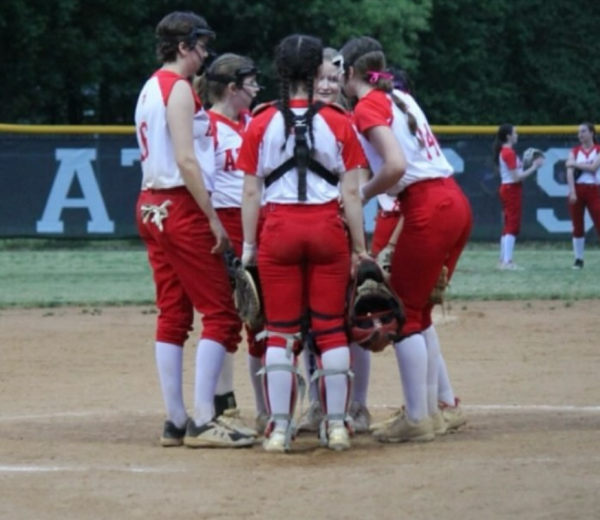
112,273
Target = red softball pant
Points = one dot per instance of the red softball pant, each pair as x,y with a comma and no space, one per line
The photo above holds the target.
231,218
186,275
588,196
304,259
437,224
511,196
385,223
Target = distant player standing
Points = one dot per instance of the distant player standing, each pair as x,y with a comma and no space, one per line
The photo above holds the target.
511,190
183,235
583,170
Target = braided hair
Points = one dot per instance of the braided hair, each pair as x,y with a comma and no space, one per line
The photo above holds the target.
297,60
366,55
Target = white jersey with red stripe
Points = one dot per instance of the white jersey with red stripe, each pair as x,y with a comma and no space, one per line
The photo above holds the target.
335,146
587,157
228,181
508,161
159,168
425,159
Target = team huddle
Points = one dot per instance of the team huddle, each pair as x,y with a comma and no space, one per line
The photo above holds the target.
279,191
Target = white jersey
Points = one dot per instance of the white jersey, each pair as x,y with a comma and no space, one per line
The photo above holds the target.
335,146
425,159
159,168
587,157
508,161
228,181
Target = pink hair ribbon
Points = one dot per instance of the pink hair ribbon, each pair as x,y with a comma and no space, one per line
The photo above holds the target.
375,76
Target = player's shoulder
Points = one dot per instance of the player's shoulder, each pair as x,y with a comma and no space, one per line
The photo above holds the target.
264,110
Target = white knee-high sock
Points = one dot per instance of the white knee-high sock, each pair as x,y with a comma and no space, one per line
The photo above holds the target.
433,370
336,386
254,366
445,391
578,247
411,355
225,381
209,360
279,384
310,365
361,366
169,362
502,240
509,247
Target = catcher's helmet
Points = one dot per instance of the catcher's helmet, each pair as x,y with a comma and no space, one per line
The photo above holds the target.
375,313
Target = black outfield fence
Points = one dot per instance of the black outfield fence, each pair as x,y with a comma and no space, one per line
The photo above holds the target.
78,182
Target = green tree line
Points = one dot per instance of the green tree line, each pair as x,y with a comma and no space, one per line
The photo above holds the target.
472,62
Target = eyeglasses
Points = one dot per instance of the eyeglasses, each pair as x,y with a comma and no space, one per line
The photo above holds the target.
252,85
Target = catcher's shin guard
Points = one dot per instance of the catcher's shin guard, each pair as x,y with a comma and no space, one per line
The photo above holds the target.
321,376
298,388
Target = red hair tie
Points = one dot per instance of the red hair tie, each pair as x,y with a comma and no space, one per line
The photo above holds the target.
375,76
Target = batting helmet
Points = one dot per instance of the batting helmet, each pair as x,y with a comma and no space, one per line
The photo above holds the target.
375,313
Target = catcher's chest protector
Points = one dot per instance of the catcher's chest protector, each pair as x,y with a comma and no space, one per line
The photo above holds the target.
375,313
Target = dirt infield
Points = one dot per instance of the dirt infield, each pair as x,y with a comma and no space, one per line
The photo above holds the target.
81,413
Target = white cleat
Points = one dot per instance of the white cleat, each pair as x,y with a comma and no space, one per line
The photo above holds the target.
338,438
277,441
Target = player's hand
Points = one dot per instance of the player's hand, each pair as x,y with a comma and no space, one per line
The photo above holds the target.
572,197
221,238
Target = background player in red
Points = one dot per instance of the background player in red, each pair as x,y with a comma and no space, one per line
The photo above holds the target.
583,169
511,190
231,85
303,254
406,160
183,235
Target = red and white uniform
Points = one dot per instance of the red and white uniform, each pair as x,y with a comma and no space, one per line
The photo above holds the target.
159,168
511,191
228,184
586,189
386,220
303,253
186,275
437,215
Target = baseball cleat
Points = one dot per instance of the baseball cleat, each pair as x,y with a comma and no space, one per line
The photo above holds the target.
172,436
338,438
453,415
213,434
232,419
277,441
361,418
402,429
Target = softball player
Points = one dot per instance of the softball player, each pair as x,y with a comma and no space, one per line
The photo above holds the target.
183,235
328,90
408,162
231,86
303,254
583,170
511,191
